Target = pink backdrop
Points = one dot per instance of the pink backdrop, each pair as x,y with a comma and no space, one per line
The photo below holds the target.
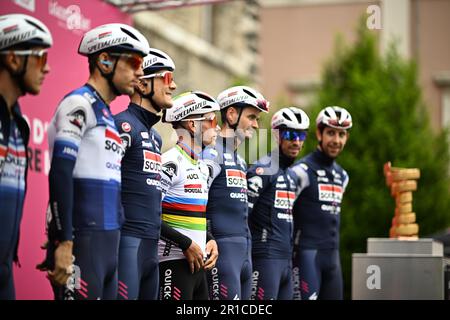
67,20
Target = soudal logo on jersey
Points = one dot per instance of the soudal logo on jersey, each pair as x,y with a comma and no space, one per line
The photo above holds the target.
330,193
113,141
152,162
284,199
236,178
193,188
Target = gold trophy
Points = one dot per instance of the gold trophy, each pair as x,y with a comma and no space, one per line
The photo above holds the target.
402,182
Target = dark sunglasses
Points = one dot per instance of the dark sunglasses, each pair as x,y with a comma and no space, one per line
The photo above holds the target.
293,135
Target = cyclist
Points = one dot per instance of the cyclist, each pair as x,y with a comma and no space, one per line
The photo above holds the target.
272,187
317,210
227,205
23,66
186,250
85,212
141,175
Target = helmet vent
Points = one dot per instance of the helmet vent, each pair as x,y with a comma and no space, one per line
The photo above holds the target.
34,25
205,97
157,54
249,93
286,116
129,33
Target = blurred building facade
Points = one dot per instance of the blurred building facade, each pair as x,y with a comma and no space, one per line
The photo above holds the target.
280,46
298,36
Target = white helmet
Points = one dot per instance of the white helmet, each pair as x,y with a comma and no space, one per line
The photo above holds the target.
335,117
291,118
157,60
245,95
23,29
190,103
117,37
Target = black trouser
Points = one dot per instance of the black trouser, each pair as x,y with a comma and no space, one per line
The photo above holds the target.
96,255
7,291
176,282
138,269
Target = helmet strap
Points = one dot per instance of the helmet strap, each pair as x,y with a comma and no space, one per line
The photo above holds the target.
19,76
150,95
235,125
109,77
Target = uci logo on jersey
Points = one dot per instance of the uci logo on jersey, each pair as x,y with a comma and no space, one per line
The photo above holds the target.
236,178
152,162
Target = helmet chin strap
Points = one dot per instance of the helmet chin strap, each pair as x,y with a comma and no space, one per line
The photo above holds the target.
150,95
109,77
234,126
19,76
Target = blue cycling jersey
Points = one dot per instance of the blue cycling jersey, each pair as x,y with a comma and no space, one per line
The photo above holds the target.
272,188
227,209
317,208
141,172
14,135
85,174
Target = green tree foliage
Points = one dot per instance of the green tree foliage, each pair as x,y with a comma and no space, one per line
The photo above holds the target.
390,124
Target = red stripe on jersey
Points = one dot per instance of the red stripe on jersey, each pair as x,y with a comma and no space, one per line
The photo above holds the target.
235,173
194,186
285,194
148,155
2,151
109,134
184,207
330,187
19,154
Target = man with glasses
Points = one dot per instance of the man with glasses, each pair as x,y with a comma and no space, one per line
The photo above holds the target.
272,189
141,175
23,66
227,205
186,249
85,212
317,266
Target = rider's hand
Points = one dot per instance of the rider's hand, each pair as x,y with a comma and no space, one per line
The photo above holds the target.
194,256
63,264
212,252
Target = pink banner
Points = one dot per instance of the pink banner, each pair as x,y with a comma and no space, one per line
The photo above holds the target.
67,20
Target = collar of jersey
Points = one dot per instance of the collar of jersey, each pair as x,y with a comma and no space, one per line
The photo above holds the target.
148,118
187,152
322,158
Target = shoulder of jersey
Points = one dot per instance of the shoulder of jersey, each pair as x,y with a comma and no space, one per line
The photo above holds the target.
300,164
210,154
123,122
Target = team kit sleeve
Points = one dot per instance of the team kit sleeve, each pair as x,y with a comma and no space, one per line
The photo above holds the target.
301,171
210,158
169,178
73,116
256,184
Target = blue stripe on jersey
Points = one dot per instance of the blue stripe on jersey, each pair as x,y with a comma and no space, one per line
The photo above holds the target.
170,199
96,204
65,149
